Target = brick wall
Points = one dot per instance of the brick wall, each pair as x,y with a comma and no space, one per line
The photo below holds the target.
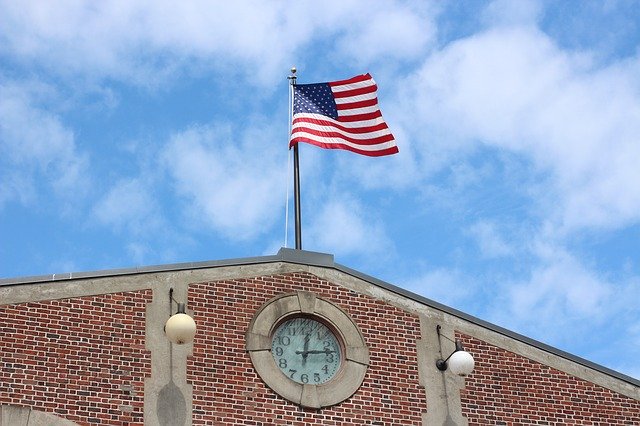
82,359
508,389
227,390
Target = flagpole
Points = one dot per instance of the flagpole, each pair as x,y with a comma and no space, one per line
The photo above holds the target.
296,173
296,195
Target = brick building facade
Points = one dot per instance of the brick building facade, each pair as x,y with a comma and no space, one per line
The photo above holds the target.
90,349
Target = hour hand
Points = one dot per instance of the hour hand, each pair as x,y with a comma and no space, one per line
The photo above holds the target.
305,351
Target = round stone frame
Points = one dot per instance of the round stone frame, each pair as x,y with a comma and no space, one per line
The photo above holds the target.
356,353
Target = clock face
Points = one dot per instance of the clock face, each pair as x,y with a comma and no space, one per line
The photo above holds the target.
306,351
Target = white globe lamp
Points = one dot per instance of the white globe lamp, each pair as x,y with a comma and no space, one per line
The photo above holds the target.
180,328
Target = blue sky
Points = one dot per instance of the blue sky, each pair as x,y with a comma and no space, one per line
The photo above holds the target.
143,133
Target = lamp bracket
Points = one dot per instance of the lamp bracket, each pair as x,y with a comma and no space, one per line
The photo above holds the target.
441,364
181,306
438,328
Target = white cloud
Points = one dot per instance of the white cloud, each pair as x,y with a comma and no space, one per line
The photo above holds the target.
491,243
559,294
512,13
233,180
121,39
448,286
575,124
138,252
388,32
513,89
561,301
130,205
343,226
568,304
560,288
34,143
142,42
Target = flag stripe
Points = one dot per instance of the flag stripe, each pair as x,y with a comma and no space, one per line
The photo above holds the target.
352,127
360,117
341,92
357,97
357,104
357,81
384,148
358,111
342,115
369,138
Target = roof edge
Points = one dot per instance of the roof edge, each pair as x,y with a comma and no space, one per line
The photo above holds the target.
303,257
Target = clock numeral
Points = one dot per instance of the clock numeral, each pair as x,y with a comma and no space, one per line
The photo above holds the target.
304,378
292,373
327,344
316,377
329,356
279,351
325,369
284,340
282,363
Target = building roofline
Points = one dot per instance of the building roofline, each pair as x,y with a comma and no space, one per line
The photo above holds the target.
310,258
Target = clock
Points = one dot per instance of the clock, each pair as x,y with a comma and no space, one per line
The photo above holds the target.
307,349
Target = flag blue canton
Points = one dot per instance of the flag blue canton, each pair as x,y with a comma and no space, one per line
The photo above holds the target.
315,99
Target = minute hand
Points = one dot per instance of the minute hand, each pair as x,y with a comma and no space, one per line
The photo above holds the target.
324,351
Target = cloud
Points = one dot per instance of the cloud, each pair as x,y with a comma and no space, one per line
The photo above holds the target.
560,288
508,13
38,152
129,205
144,42
560,301
491,243
568,304
345,227
572,125
230,179
448,286
133,209
138,41
514,89
388,32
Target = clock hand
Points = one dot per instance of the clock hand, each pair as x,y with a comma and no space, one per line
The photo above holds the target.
324,351
305,351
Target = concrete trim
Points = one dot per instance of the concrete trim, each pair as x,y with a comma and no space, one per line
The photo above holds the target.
442,388
168,396
287,260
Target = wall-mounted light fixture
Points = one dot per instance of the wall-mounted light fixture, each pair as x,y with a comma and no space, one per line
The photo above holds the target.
460,362
180,328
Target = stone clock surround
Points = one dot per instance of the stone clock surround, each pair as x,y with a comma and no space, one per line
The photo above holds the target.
356,353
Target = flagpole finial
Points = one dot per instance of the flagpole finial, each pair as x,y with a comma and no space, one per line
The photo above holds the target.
293,70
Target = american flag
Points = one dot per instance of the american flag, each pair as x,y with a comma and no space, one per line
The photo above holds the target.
341,115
